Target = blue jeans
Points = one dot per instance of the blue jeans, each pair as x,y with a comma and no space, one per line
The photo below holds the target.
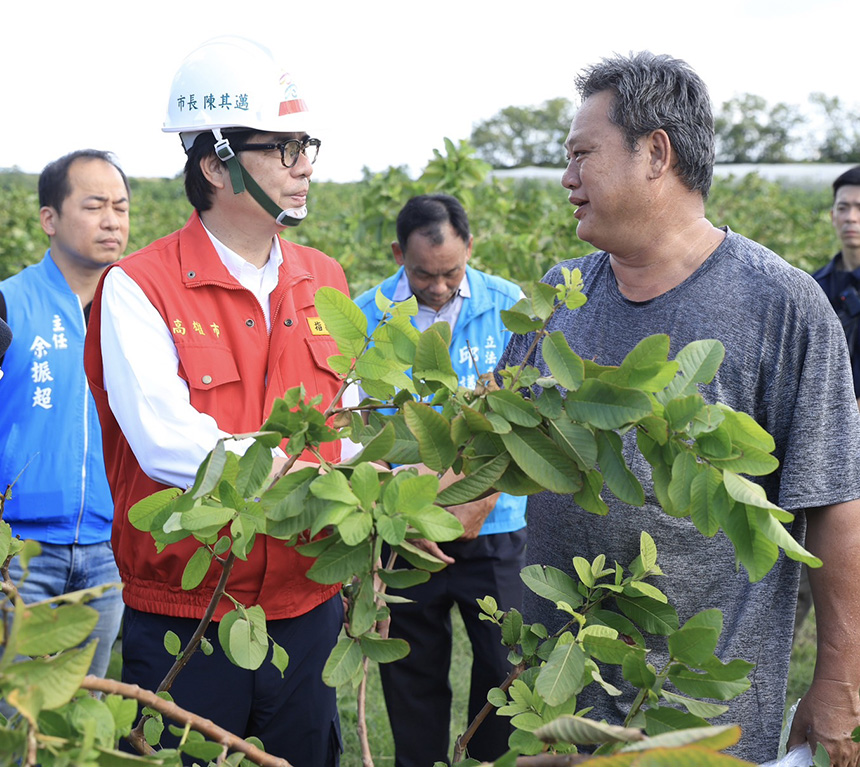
62,568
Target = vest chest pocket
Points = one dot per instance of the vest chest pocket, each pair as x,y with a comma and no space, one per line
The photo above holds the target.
206,367
321,349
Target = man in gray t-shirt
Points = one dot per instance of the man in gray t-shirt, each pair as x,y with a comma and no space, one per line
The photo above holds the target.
640,155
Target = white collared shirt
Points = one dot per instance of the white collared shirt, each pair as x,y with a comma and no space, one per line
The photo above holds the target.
261,282
150,401
427,316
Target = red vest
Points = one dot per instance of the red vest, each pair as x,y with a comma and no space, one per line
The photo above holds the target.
235,370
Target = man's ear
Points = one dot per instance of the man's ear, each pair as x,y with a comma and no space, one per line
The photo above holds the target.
398,253
47,218
469,248
660,153
214,170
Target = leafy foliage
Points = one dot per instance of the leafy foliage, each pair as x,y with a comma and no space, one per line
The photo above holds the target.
747,131
542,700
521,439
522,227
750,130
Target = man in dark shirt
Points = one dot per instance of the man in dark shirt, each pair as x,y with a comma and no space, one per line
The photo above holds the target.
840,279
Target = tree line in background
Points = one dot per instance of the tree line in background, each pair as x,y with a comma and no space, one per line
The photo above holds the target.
748,130
522,226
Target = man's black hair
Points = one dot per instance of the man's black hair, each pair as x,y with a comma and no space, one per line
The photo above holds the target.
5,339
54,184
426,214
851,177
198,190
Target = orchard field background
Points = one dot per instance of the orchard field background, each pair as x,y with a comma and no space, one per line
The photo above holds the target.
521,226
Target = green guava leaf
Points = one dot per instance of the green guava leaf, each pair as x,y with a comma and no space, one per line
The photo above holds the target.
562,676
606,406
344,663
343,319
565,365
433,433
542,460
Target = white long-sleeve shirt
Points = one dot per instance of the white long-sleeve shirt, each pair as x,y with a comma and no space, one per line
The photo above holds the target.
150,401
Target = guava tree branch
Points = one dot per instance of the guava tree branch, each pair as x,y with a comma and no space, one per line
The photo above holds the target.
194,642
463,740
136,737
366,755
169,709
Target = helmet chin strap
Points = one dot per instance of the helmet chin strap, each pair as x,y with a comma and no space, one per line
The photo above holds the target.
242,180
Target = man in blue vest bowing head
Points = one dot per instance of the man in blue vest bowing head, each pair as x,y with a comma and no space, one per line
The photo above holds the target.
432,249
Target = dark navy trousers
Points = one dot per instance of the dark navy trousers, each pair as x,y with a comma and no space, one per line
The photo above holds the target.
417,690
295,717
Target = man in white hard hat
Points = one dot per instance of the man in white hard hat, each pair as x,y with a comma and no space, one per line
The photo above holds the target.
193,339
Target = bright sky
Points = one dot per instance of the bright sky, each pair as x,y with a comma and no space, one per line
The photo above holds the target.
388,79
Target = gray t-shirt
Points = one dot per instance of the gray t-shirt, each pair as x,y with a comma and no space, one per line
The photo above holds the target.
786,365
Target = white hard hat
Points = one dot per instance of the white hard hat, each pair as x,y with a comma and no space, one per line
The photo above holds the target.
233,82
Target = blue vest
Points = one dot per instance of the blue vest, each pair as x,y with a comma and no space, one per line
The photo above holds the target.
50,438
479,326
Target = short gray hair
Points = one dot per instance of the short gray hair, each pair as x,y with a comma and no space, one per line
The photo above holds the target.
659,92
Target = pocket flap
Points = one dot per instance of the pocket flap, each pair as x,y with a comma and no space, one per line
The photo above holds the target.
208,366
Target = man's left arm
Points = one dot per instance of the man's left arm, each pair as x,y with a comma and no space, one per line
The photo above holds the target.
830,710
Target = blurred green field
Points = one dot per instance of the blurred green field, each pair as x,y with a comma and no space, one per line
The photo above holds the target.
522,227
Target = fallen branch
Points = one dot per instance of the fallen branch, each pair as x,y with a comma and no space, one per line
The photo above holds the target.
553,760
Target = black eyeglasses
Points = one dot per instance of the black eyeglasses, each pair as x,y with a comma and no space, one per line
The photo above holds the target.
290,149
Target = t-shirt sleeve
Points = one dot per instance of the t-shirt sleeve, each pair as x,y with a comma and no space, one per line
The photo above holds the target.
813,414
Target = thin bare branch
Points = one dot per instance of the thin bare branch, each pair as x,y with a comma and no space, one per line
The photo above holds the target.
366,755
136,737
463,740
169,709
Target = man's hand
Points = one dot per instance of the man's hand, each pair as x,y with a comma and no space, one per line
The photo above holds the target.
471,515
830,710
432,548
827,714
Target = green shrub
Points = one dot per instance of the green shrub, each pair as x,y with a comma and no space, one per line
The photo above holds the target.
521,226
